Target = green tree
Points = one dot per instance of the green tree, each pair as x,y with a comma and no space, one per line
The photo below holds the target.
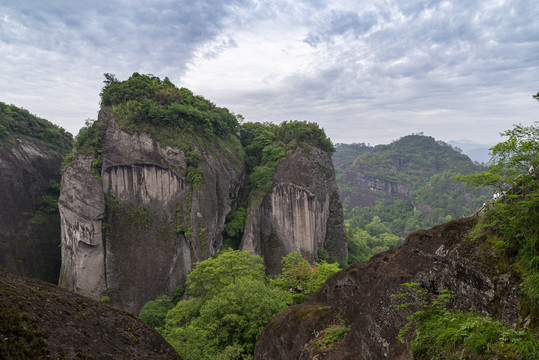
228,302
299,279
510,159
513,220
154,312
212,275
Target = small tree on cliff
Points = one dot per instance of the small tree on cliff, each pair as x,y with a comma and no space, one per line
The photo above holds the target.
299,279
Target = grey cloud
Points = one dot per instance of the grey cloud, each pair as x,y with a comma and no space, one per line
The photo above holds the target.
335,23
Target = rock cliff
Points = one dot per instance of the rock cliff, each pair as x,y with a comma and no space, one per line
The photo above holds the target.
40,321
29,220
302,212
135,230
153,180
360,296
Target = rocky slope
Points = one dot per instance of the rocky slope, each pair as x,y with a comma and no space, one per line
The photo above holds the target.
303,212
360,296
133,232
40,321
29,179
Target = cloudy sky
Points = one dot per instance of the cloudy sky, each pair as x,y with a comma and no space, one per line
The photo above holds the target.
367,71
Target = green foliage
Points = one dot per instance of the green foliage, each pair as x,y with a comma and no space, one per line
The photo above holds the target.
88,141
425,307
105,300
467,335
347,153
235,225
228,301
299,279
17,121
194,173
154,312
366,238
510,159
210,276
267,144
228,304
514,218
418,163
144,102
447,334
330,337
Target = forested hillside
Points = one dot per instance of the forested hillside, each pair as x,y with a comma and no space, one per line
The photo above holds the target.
391,190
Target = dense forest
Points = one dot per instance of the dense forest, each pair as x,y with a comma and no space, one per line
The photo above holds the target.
417,190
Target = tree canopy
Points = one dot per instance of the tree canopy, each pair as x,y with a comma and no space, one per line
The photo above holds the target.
226,305
146,99
510,159
18,121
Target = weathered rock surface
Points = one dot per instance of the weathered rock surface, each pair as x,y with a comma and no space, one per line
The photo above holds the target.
302,213
39,320
134,234
368,189
360,296
29,240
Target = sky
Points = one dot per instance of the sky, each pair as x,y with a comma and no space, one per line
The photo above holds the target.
367,71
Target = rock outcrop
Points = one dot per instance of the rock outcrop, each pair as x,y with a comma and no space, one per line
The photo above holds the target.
29,237
40,321
302,212
368,189
360,296
135,230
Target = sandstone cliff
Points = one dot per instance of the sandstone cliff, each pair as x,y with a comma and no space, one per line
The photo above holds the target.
40,321
302,212
135,230
360,296
29,220
153,180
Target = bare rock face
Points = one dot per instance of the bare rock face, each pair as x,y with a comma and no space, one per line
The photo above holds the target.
29,238
302,213
360,297
368,189
38,320
134,233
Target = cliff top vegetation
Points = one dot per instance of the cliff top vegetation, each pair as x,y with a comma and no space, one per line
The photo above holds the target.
18,121
146,99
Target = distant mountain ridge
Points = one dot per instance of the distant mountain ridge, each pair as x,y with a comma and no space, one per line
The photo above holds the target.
400,187
476,151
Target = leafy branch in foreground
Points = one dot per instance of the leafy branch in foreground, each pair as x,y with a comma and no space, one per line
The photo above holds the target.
511,160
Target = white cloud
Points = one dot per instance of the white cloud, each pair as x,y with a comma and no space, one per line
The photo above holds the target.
367,72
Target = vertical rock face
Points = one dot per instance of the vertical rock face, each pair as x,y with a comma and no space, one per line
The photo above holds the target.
29,238
135,220
134,234
368,189
82,208
302,213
